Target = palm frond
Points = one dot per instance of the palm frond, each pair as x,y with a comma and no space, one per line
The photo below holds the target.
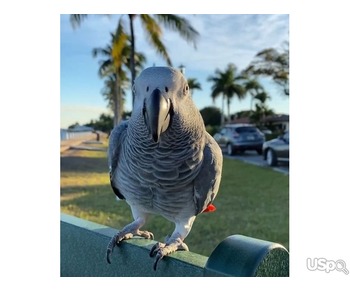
179,25
106,52
154,34
119,40
77,19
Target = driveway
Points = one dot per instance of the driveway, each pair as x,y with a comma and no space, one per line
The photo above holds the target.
253,158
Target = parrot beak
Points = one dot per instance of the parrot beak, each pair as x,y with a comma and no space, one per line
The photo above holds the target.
157,114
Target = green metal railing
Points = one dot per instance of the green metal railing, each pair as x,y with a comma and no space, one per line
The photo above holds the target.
83,253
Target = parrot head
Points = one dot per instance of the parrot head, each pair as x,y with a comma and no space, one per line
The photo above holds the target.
159,92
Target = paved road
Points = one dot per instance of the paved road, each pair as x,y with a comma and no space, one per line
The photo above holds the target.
253,158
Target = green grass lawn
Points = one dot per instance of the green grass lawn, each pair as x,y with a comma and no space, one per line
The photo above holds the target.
252,200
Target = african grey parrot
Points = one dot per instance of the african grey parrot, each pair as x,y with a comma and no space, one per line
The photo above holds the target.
162,160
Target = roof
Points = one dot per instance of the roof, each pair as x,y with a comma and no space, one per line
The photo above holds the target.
81,129
279,118
235,125
243,120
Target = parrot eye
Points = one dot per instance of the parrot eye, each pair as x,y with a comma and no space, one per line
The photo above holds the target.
185,89
166,89
147,89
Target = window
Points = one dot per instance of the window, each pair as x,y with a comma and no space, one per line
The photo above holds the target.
286,136
243,130
223,131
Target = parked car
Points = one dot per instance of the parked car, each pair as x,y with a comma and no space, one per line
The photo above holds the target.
277,150
265,131
240,137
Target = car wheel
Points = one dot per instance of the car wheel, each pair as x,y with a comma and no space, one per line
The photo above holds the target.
271,158
230,149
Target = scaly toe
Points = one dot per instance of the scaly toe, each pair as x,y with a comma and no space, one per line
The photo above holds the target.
146,234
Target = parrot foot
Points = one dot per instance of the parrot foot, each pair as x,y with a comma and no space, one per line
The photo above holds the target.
120,236
161,249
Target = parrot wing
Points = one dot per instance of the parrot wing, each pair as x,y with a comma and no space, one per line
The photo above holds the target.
116,139
206,184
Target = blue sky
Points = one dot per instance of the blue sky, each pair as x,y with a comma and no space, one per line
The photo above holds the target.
223,39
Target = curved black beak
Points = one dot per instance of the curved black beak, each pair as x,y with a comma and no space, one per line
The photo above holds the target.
157,114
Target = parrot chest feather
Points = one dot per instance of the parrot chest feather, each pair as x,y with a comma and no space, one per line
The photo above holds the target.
159,177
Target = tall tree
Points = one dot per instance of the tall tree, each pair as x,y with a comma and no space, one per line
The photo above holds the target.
117,57
153,31
253,87
211,116
152,28
261,108
193,84
273,63
261,111
228,84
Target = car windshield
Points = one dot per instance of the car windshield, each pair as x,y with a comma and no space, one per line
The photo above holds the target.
243,130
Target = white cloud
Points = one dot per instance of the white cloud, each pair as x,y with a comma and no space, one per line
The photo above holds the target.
223,39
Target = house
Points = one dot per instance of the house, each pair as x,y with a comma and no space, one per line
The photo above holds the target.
79,128
76,132
278,122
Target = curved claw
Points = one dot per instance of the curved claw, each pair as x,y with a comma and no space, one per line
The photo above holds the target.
108,255
110,248
158,258
116,240
152,251
155,248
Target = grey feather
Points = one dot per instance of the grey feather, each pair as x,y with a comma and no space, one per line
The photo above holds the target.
116,140
206,184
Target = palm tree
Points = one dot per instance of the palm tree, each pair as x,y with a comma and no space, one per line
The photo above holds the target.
114,95
262,97
153,31
261,109
193,84
273,63
217,89
112,69
117,56
227,83
253,87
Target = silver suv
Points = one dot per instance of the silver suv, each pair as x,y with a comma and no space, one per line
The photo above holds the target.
240,137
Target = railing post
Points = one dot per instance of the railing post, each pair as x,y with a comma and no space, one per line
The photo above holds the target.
242,256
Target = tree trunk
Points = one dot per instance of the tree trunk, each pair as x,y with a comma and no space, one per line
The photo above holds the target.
116,119
120,104
228,110
117,101
132,56
222,110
